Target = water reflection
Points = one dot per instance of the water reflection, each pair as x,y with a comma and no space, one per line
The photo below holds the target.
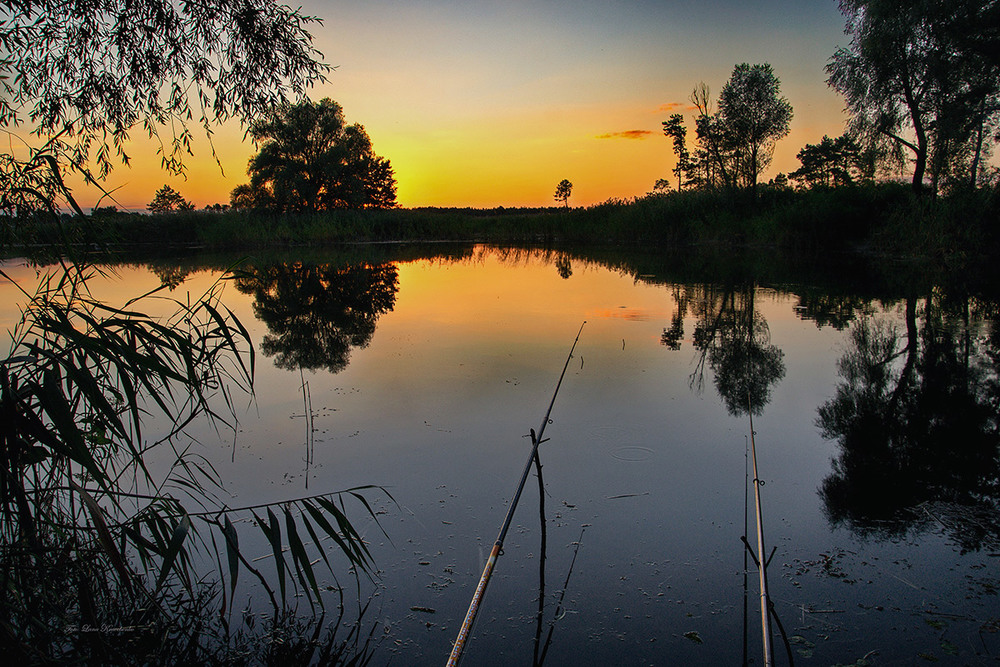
837,311
912,423
316,313
915,417
540,648
564,266
735,341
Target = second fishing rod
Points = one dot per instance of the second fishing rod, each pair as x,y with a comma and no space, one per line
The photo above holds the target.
536,440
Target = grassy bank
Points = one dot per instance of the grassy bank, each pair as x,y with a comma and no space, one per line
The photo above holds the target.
883,218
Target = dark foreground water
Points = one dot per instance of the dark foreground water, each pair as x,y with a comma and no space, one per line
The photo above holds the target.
874,398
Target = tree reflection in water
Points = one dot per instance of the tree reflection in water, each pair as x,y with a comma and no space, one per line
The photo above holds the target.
735,342
915,417
315,313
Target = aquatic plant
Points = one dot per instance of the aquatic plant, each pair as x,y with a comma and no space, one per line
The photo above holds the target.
102,556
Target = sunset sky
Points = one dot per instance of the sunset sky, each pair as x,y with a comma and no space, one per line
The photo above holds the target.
493,103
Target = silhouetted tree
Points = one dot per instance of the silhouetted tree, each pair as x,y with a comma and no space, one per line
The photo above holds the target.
661,185
248,197
311,160
168,200
922,77
674,129
754,115
563,192
315,314
735,143
714,163
100,212
780,181
832,162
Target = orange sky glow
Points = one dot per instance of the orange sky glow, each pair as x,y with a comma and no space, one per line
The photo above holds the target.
492,104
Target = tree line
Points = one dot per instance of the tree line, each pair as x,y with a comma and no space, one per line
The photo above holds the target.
921,81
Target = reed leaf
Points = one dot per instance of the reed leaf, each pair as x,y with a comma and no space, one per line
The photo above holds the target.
334,535
104,535
55,405
176,542
272,531
299,555
79,381
316,540
232,552
227,335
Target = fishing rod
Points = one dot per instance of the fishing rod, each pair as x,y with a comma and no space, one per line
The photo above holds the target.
746,522
767,610
470,616
761,564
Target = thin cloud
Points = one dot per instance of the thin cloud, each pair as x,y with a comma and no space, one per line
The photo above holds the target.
627,134
675,106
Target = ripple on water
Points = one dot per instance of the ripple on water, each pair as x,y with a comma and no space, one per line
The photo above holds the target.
620,442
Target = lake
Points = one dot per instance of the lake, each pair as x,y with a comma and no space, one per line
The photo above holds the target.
873,391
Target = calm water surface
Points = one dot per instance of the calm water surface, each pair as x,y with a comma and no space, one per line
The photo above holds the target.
875,412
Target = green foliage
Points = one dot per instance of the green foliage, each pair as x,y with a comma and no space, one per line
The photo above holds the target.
884,217
168,200
311,160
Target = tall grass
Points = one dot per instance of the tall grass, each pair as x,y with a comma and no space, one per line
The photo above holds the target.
97,552
883,218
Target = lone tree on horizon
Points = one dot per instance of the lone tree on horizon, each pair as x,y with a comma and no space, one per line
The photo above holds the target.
168,200
563,192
